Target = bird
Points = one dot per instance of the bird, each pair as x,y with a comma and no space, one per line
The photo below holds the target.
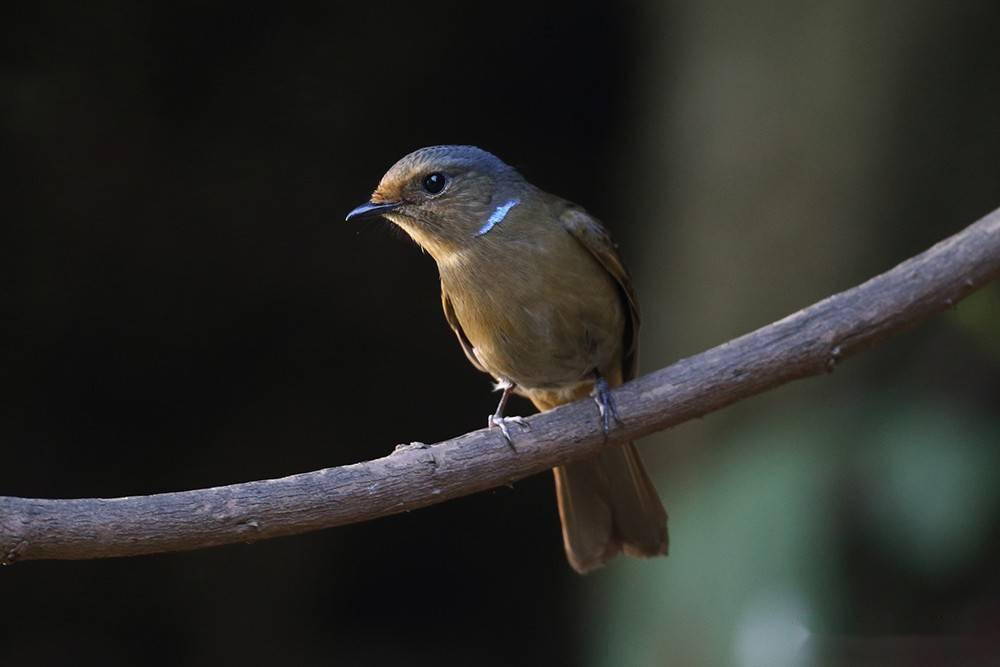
538,296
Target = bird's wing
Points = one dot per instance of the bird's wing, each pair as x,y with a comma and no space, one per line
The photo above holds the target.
595,238
456,326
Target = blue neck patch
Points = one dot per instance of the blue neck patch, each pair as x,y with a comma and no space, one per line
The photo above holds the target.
497,216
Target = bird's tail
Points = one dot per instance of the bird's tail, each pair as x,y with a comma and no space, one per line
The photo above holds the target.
608,505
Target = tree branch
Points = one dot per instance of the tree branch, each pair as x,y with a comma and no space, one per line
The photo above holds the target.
809,342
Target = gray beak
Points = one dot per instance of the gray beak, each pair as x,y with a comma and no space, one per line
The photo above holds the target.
370,209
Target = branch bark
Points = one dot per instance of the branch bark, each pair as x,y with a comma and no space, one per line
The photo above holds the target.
810,342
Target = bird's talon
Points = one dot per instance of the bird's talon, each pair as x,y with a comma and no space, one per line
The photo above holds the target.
410,445
501,423
606,405
520,421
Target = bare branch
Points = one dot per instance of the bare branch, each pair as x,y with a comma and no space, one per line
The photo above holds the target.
809,342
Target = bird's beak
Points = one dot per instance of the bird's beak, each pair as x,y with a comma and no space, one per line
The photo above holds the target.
371,208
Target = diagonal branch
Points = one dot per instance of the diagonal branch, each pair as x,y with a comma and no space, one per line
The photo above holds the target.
809,342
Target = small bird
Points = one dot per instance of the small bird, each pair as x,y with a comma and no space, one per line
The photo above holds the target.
536,293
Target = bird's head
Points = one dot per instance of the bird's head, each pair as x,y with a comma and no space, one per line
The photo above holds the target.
445,197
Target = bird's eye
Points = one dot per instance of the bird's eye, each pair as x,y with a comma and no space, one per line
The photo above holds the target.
434,183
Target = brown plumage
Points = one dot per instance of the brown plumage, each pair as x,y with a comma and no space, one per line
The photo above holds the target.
538,297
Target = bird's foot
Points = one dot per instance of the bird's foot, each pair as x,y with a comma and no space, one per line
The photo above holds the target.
502,422
412,445
606,405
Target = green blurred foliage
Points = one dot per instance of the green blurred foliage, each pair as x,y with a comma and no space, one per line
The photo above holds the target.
797,149
933,478
978,317
758,561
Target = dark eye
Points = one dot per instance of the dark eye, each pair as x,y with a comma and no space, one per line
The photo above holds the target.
434,183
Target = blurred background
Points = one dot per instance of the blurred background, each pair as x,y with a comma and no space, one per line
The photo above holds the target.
184,307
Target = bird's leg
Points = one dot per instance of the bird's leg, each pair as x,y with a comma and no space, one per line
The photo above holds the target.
497,419
605,403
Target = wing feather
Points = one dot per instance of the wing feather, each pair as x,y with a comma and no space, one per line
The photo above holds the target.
456,326
595,238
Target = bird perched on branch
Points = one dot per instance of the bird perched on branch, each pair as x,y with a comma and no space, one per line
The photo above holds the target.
535,291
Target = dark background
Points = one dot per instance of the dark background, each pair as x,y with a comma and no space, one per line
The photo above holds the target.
184,307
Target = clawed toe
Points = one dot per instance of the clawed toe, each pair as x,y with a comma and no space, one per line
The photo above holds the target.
411,445
606,405
502,422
